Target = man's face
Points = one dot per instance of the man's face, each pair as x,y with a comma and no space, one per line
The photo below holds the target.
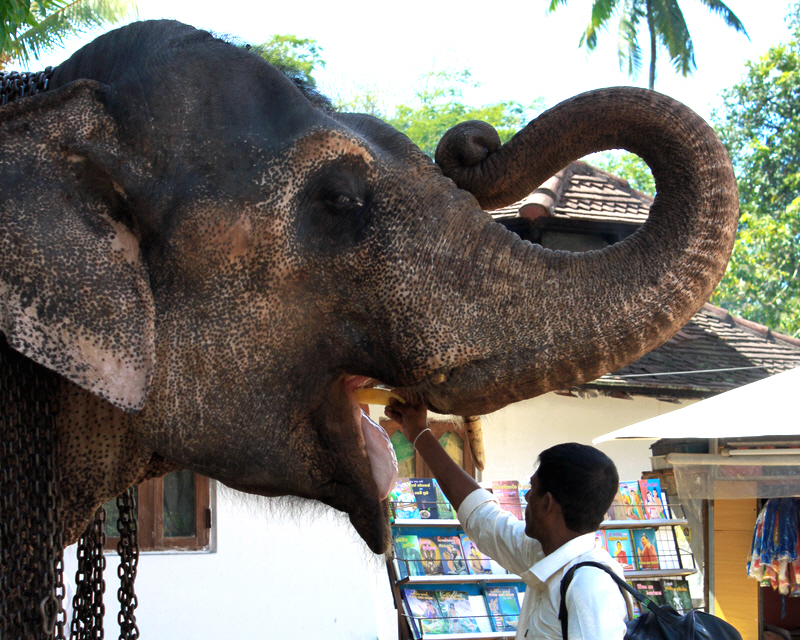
533,509
645,541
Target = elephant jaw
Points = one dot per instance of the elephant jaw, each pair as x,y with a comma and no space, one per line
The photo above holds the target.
374,442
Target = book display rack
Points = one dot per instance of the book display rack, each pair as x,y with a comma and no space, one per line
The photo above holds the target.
443,587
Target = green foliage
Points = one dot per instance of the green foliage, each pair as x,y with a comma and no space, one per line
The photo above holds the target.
760,126
666,28
30,29
628,166
438,106
297,57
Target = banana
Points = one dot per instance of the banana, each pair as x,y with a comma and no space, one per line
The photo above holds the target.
375,396
475,437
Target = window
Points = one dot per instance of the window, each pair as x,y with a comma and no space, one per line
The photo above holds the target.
173,513
451,435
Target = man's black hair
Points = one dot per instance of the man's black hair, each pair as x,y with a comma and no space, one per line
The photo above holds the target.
582,479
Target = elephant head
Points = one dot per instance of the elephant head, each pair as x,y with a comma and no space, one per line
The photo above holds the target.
213,263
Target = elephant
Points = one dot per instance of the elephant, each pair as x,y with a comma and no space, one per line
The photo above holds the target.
211,261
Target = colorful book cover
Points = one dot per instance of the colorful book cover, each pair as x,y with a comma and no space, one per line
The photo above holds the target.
431,557
507,494
653,589
676,593
524,487
683,538
406,547
425,495
617,509
477,563
646,553
457,612
651,497
600,540
452,554
620,546
503,605
446,511
402,500
631,501
423,607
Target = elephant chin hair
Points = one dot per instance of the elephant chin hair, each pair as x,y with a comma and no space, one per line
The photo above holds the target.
301,512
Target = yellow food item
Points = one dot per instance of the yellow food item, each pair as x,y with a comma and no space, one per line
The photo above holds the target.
375,396
475,437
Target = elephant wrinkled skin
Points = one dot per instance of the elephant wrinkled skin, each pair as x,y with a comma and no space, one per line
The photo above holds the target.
212,262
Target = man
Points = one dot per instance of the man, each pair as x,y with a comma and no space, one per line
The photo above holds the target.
570,493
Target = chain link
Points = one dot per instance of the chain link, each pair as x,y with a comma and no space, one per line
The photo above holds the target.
88,609
128,548
14,84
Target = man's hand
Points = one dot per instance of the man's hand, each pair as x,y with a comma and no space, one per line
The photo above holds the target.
412,417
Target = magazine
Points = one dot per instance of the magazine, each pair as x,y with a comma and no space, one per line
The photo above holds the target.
631,501
431,557
646,555
503,605
425,614
425,495
456,609
653,589
406,547
477,562
507,494
446,511
452,555
402,500
617,509
650,490
676,593
620,546
600,540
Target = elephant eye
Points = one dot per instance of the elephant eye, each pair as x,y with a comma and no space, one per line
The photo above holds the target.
342,201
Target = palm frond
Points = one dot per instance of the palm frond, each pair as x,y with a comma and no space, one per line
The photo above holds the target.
673,34
721,9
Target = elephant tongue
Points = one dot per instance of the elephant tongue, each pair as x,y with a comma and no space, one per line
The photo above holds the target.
380,451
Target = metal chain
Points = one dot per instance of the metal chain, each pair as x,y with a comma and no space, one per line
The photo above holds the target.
14,84
128,548
88,609
31,527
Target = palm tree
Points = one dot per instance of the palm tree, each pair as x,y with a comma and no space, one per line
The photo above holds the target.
665,24
28,28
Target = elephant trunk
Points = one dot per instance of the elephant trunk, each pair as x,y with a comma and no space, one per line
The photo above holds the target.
574,317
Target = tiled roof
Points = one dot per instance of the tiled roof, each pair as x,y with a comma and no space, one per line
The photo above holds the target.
712,353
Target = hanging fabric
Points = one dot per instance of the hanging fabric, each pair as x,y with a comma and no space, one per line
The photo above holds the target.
774,558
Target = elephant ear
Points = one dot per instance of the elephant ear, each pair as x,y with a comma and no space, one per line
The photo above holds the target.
74,290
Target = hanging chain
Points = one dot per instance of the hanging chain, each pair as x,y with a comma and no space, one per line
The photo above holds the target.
87,605
31,527
128,548
14,84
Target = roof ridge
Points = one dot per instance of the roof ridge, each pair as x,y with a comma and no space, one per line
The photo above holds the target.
756,327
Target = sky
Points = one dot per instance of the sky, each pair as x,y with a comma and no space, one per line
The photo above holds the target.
513,49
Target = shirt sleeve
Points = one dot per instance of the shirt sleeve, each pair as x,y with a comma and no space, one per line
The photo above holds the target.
596,608
497,533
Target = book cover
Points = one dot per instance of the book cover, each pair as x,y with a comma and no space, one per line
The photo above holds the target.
524,487
503,606
676,593
457,612
477,563
683,539
653,589
620,546
480,613
425,495
406,547
631,500
431,557
446,511
651,498
617,509
507,494
600,540
453,560
423,607
402,500
667,549
646,554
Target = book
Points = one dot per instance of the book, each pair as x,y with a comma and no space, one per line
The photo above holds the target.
425,495
424,613
683,539
477,562
457,612
446,511
631,501
406,548
524,487
650,489
402,500
676,594
480,613
600,540
646,553
653,589
431,557
620,546
503,606
507,494
452,554
617,509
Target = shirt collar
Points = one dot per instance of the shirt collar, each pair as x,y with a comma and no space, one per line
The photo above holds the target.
548,565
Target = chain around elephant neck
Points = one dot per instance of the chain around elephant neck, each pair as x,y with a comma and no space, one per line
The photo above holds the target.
14,84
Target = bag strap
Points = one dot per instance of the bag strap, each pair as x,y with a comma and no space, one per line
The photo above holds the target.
567,579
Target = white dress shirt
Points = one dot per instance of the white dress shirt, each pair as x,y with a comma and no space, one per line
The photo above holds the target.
596,607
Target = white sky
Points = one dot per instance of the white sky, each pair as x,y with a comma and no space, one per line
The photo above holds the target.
513,50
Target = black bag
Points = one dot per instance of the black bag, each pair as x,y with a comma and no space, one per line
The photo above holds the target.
658,623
